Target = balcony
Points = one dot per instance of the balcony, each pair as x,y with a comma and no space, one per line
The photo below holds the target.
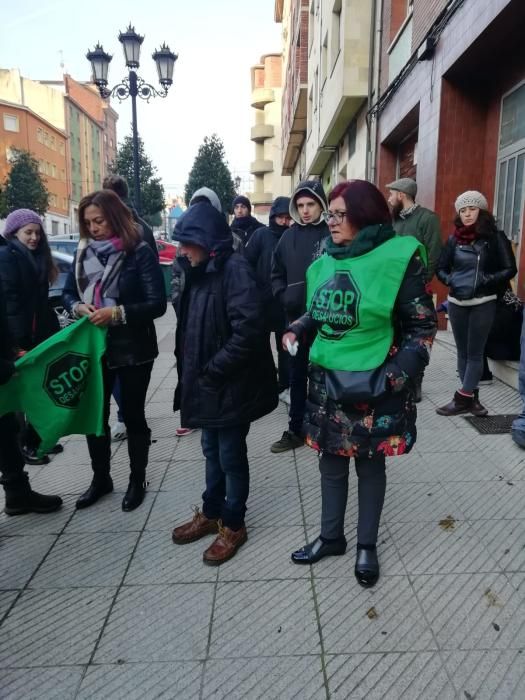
260,167
261,132
261,97
261,198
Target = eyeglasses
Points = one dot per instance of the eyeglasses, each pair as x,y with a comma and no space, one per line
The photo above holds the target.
337,216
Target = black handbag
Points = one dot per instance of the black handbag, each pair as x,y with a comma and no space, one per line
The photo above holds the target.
356,387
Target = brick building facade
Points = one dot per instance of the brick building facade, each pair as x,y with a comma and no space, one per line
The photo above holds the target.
452,108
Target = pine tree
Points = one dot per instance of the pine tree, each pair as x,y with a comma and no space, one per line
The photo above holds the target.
211,170
24,187
151,189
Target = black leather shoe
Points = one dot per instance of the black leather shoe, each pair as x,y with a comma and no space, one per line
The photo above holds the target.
134,495
318,549
96,490
366,567
30,456
56,450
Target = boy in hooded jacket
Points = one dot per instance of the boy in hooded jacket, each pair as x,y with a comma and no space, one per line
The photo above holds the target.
299,246
226,374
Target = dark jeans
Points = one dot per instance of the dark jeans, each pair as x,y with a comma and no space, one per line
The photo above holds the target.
134,382
117,395
11,460
471,327
298,387
283,361
371,488
227,474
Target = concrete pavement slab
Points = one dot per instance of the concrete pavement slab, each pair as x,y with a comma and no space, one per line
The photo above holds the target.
135,681
20,557
157,623
50,626
51,683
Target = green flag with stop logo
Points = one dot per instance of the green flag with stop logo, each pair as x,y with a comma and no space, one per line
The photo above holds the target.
59,384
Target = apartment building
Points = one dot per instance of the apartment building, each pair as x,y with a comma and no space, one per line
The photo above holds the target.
23,129
88,124
266,79
451,112
293,15
339,40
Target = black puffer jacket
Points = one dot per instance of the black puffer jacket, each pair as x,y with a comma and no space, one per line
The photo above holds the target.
259,253
480,269
142,293
244,228
7,366
29,315
225,367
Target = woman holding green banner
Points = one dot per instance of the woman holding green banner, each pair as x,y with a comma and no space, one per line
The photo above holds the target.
117,283
373,324
27,270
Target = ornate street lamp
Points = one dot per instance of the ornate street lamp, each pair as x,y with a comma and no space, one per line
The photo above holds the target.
133,86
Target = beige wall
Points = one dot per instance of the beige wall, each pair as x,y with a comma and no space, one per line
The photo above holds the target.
45,101
339,47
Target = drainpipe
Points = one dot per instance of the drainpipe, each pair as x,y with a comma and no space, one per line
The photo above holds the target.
374,82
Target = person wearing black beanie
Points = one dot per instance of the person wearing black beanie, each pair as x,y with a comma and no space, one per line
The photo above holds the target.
259,252
243,224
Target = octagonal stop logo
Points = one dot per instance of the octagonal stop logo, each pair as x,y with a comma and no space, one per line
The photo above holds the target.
66,379
335,304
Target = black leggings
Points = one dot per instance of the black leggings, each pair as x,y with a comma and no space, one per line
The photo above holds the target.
334,493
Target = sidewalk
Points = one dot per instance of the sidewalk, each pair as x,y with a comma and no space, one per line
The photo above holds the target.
99,604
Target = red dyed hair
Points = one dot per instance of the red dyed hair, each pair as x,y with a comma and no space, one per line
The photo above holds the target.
365,205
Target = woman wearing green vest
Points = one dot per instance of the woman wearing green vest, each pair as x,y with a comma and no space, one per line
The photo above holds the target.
374,323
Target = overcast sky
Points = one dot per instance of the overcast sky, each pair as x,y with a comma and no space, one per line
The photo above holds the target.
217,42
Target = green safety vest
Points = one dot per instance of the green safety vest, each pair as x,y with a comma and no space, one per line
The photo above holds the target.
352,299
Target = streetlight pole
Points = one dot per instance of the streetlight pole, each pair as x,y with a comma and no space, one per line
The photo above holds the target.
133,86
133,91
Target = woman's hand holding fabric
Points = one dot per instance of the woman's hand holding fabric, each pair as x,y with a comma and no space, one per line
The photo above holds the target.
101,317
85,309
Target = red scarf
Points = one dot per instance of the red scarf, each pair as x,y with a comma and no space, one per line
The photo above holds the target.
465,235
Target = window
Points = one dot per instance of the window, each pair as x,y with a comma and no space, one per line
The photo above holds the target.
352,138
53,203
335,43
53,170
61,148
40,135
511,164
11,122
324,60
41,167
54,227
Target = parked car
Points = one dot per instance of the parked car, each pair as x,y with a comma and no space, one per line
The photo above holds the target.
64,244
167,251
63,261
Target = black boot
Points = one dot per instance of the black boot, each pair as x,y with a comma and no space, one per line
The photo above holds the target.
418,388
477,408
138,450
101,484
20,499
459,404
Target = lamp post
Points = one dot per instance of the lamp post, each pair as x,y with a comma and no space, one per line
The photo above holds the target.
133,86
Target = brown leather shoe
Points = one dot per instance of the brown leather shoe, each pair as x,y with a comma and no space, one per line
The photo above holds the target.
197,527
225,545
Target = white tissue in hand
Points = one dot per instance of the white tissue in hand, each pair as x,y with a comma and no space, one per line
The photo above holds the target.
292,347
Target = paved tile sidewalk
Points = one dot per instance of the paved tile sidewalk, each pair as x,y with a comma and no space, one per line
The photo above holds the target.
100,603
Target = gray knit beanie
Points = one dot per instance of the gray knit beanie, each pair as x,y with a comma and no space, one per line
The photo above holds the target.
471,199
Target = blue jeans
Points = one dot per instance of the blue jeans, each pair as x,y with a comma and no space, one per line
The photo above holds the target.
227,474
518,426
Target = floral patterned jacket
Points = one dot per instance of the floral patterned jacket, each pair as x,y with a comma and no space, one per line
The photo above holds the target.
387,424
